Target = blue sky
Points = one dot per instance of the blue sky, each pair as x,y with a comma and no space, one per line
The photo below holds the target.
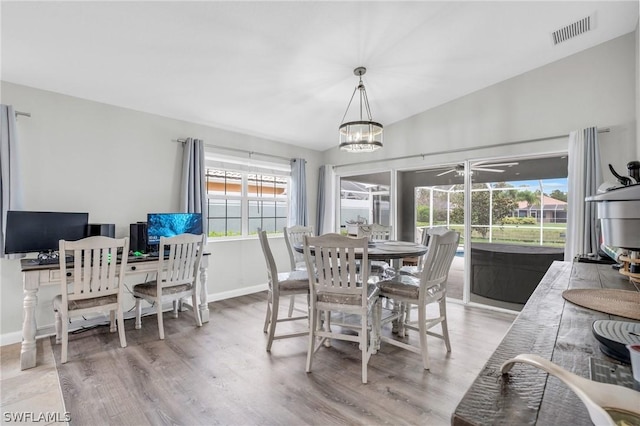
549,185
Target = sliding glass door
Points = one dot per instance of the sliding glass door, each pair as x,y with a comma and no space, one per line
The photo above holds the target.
431,198
517,226
364,199
511,214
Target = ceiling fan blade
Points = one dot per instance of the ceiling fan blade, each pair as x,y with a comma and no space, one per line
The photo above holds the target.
481,164
447,172
482,169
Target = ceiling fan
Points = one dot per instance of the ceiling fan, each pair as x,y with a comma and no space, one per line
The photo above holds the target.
481,167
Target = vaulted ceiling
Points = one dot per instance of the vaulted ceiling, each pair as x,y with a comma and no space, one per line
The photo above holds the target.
284,70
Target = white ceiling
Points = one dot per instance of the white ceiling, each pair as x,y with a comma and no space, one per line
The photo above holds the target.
284,70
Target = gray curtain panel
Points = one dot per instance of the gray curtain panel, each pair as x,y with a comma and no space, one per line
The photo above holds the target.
584,178
593,180
10,188
325,218
193,191
298,212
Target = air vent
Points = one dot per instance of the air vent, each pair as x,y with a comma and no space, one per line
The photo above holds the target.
572,30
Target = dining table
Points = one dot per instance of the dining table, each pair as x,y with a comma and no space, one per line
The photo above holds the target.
385,250
382,250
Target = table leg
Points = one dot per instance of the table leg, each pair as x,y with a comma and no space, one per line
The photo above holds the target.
204,307
28,351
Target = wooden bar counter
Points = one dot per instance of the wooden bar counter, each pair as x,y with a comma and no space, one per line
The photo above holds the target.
554,329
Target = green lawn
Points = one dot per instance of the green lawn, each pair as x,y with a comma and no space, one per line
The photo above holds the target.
553,234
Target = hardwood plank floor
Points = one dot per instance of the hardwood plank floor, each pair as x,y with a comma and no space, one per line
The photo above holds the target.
221,374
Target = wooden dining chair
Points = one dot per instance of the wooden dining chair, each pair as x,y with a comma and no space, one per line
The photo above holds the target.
376,232
337,287
295,235
176,277
425,238
430,287
287,284
93,284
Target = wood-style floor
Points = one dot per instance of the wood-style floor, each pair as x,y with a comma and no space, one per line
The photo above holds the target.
221,374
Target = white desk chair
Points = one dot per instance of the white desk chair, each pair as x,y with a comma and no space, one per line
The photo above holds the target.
177,277
336,287
431,287
94,285
281,285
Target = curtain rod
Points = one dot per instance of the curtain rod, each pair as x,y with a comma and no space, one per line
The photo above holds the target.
26,114
449,151
244,151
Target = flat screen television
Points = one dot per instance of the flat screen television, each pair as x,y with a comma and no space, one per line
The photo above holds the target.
31,231
170,225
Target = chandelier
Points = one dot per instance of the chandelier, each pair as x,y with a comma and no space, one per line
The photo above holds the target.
361,135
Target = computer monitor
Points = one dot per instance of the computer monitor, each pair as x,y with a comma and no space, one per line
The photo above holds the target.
170,225
32,231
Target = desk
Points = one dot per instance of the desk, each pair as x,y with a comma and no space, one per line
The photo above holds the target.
35,275
554,329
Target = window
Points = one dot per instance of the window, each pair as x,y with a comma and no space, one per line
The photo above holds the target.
364,199
243,198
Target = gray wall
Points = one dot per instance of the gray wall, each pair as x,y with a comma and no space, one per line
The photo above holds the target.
118,164
596,87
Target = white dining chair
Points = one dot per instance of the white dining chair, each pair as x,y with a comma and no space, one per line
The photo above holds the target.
94,284
176,277
287,284
430,287
376,232
295,235
424,240
337,287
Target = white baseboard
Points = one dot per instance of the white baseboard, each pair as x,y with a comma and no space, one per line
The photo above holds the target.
10,338
49,329
214,297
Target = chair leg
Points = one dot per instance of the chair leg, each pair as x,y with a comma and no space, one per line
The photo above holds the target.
65,338
112,321
327,327
268,316
422,329
138,313
378,325
58,328
314,321
445,327
407,317
175,308
273,321
292,302
160,323
196,310
123,338
364,349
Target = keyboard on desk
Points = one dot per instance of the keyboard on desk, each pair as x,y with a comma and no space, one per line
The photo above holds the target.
52,260
157,254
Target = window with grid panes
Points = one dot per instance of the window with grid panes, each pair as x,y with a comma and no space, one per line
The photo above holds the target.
242,201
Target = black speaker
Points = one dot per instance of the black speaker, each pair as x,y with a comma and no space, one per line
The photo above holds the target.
104,229
138,237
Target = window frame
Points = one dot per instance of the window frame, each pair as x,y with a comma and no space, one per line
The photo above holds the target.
246,169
